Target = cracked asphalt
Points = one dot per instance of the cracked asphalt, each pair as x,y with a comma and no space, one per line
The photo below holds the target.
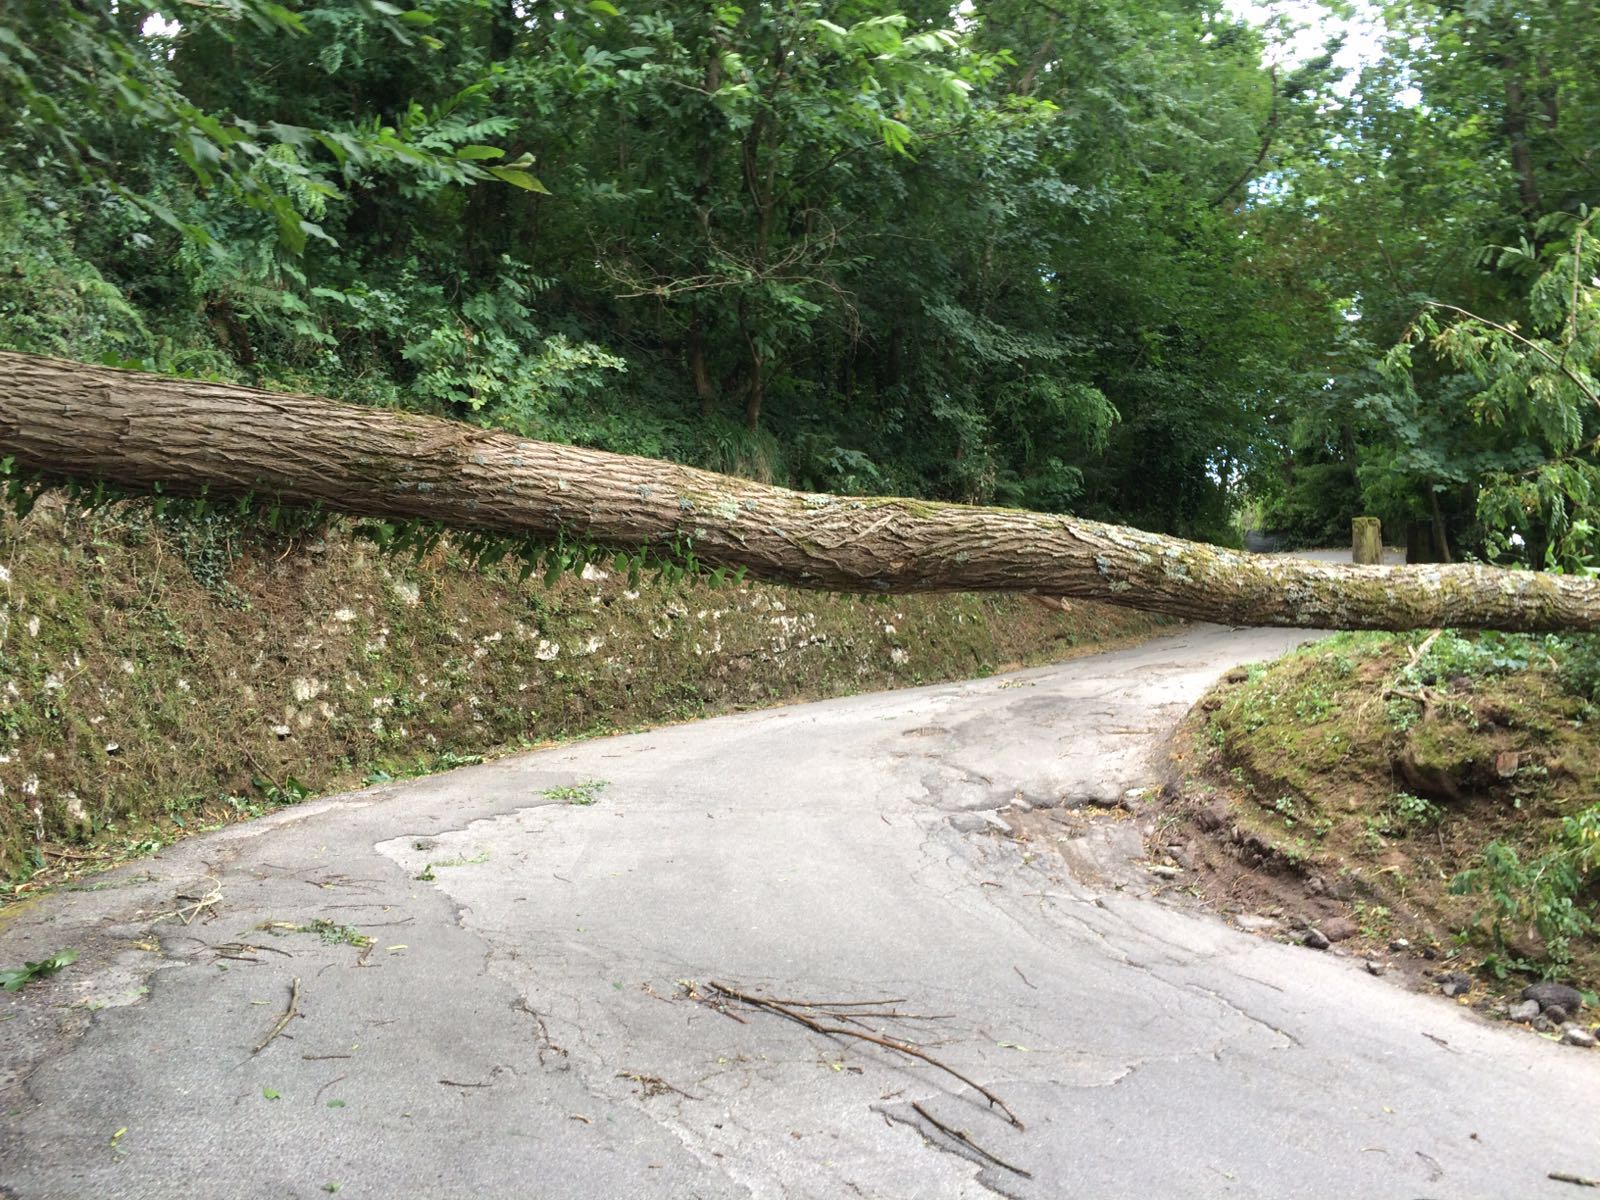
522,1024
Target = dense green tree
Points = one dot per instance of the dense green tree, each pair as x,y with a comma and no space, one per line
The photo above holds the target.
1063,254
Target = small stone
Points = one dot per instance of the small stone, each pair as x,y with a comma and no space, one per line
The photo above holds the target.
1556,1015
1568,997
1374,967
1524,1012
1399,944
1251,923
1543,1024
1430,952
1316,886
281,731
1339,929
1576,1035
1316,940
1211,819
1180,856
975,822
1161,871
1454,983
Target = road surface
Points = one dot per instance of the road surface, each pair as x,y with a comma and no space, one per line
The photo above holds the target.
523,1023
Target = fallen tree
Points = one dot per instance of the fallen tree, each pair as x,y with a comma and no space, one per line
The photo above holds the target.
142,432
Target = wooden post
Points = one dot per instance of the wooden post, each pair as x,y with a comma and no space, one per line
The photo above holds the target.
1366,540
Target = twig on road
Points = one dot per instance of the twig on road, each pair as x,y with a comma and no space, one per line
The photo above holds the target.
289,1014
326,1086
966,1141
653,1085
792,1012
1579,1180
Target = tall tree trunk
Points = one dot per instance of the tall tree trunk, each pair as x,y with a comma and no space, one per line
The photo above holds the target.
1441,531
145,432
758,387
1516,127
704,389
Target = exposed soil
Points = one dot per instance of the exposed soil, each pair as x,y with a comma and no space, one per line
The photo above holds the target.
1348,787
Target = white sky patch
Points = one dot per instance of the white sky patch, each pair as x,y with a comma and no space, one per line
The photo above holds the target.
1309,25
157,26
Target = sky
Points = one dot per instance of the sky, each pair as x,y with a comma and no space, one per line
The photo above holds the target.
1313,25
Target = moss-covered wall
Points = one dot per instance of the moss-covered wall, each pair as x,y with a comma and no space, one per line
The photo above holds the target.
158,677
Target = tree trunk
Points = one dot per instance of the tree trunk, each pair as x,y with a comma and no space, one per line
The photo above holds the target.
703,387
1366,540
1516,128
141,431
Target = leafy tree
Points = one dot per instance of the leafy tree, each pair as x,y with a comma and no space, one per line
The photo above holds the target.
1528,401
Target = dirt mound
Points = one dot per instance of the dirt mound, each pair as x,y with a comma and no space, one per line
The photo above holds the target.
1430,802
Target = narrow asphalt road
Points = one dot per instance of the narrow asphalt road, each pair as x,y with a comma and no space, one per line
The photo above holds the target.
523,1022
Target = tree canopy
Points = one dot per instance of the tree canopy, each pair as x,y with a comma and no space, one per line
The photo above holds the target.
1135,262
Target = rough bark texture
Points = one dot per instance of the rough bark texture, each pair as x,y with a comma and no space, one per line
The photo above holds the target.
140,431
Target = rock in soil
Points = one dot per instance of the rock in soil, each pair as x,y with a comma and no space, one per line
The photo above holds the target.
1577,1035
1454,983
1161,871
1375,968
1568,997
1526,1011
1316,939
1556,1014
1400,944
1339,929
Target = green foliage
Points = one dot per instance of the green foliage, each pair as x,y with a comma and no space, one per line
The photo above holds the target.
52,301
843,247
1554,893
580,794
1475,656
1453,178
15,980
1579,657
1110,263
1535,394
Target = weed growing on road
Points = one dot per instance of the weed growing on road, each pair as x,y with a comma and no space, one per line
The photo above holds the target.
426,875
330,933
581,794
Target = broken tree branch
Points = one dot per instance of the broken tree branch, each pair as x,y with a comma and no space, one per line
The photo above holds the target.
966,1141
889,1043
289,1014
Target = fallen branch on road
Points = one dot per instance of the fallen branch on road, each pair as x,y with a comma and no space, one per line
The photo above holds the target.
961,1136
792,1011
289,1014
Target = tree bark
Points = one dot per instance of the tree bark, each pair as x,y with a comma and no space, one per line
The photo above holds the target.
143,432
